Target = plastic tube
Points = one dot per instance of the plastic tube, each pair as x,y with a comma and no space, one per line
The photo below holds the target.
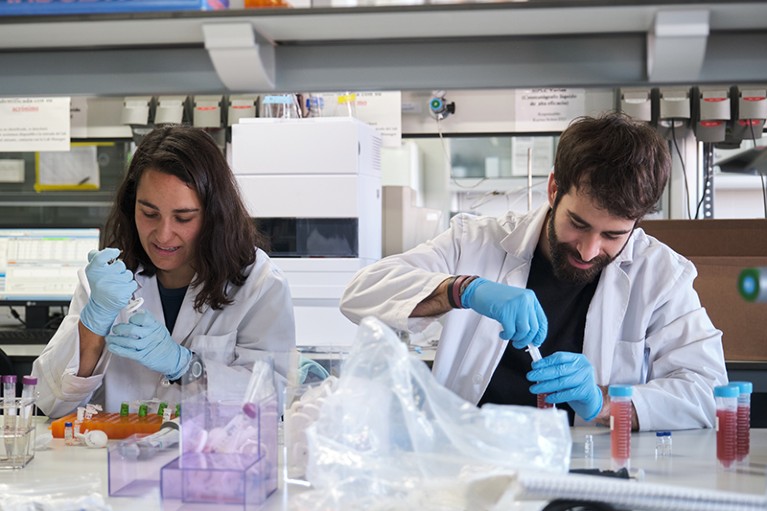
535,354
745,388
9,414
620,425
726,424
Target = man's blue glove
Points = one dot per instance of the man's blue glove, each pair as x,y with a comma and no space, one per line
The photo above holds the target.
148,342
517,310
567,378
112,286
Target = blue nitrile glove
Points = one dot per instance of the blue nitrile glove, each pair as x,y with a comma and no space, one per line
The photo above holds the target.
516,309
148,342
112,286
567,378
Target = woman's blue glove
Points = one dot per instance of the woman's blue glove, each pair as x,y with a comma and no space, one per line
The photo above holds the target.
112,286
516,309
567,378
148,342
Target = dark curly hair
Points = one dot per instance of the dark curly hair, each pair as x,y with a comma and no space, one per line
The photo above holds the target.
228,237
623,165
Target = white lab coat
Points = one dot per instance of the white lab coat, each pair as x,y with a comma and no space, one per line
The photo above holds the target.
644,327
229,341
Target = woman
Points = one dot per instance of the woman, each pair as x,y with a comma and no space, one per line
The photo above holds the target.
178,237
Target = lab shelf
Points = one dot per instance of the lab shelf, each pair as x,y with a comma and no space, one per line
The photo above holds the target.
477,45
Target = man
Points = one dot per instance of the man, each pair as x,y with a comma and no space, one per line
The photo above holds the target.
606,303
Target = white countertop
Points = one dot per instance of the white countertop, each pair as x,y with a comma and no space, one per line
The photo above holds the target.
692,464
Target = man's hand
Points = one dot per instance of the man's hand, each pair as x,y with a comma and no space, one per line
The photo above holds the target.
516,309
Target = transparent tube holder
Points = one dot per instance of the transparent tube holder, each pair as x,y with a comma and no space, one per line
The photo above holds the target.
18,427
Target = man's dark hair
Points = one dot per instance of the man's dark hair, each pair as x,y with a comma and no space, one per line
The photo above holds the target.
228,237
623,165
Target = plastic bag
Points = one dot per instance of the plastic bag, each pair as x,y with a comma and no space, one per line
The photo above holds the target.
389,430
66,493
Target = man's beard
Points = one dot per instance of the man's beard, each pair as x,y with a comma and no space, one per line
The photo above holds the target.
563,270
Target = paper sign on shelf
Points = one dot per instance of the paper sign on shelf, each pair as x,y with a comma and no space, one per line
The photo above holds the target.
34,124
547,109
76,169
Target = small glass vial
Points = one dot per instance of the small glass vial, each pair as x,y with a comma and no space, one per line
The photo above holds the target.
662,444
620,425
726,424
745,389
69,434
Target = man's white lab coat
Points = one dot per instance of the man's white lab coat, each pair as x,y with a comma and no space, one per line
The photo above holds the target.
645,325
229,341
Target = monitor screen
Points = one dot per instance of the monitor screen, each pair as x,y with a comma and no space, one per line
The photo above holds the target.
38,266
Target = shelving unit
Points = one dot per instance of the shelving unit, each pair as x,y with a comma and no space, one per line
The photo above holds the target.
482,45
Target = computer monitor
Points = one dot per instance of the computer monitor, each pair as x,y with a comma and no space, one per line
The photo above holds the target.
38,268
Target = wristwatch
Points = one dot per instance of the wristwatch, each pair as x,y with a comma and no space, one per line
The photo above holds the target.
195,372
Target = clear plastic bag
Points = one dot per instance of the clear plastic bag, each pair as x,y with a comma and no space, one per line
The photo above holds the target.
66,493
389,430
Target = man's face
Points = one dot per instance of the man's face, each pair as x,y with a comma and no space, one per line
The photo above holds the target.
583,238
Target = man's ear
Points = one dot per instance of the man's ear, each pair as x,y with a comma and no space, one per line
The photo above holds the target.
551,189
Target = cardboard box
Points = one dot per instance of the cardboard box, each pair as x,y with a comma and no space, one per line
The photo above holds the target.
720,250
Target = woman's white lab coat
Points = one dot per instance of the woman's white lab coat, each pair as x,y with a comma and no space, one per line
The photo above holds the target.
229,340
644,327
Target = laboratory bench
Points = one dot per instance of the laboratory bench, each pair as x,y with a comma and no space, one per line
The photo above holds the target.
692,464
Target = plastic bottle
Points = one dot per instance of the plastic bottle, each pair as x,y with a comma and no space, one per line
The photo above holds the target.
69,434
314,105
726,424
620,425
662,444
745,388
280,106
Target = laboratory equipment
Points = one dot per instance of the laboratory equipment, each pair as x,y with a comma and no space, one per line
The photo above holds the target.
726,424
588,447
69,434
745,388
115,425
321,207
39,268
662,444
9,414
620,425
280,106
535,354
752,284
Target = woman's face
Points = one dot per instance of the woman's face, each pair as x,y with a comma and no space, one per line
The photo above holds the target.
169,219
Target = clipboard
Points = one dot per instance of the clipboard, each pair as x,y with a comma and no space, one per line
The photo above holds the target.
76,169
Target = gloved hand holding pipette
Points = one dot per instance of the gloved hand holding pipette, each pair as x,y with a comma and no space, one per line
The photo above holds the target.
112,287
148,342
568,378
516,309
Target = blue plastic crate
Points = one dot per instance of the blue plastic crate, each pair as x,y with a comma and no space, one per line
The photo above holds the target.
60,7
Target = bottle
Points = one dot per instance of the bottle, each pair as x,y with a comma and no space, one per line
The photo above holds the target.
314,105
620,425
662,444
280,106
69,434
726,424
745,388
